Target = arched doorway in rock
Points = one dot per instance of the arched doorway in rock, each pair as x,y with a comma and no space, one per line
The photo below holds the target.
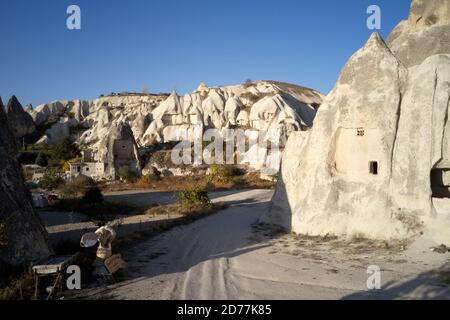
440,183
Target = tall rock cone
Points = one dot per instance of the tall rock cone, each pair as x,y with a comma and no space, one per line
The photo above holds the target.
118,148
326,185
20,122
22,236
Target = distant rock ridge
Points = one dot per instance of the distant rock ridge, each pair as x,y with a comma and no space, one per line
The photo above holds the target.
161,118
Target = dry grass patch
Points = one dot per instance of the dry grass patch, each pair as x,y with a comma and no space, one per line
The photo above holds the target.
177,216
178,183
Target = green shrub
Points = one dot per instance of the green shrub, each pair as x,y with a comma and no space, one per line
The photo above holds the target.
147,180
78,185
93,195
194,198
221,173
64,150
125,173
51,180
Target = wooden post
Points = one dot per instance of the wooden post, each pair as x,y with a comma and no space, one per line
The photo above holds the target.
36,286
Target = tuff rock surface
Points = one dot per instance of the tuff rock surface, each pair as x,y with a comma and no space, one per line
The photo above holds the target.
366,167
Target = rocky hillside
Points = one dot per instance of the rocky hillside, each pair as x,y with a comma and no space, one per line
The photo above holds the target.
259,105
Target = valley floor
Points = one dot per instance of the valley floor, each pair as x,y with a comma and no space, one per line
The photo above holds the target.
229,256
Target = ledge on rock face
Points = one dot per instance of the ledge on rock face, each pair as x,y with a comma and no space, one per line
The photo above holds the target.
425,33
425,13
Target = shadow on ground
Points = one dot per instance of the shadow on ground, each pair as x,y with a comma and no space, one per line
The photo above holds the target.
427,286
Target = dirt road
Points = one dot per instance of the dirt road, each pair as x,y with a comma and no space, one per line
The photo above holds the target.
227,256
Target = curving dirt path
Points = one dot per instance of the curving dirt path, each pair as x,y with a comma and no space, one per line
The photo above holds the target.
227,256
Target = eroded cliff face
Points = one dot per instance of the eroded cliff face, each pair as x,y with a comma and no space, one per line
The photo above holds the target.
23,236
332,187
364,168
118,148
425,33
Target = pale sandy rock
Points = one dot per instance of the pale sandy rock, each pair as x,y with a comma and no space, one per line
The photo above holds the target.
425,33
279,115
44,111
166,118
243,118
213,107
169,111
163,118
425,13
220,108
118,148
80,109
192,109
202,88
280,212
422,135
99,123
59,130
153,132
232,109
338,194
379,148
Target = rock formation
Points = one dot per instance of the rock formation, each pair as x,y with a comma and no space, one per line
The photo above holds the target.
117,149
19,120
366,166
163,118
23,237
43,112
425,33
156,119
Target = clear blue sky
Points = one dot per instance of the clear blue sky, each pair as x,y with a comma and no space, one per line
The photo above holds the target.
176,44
